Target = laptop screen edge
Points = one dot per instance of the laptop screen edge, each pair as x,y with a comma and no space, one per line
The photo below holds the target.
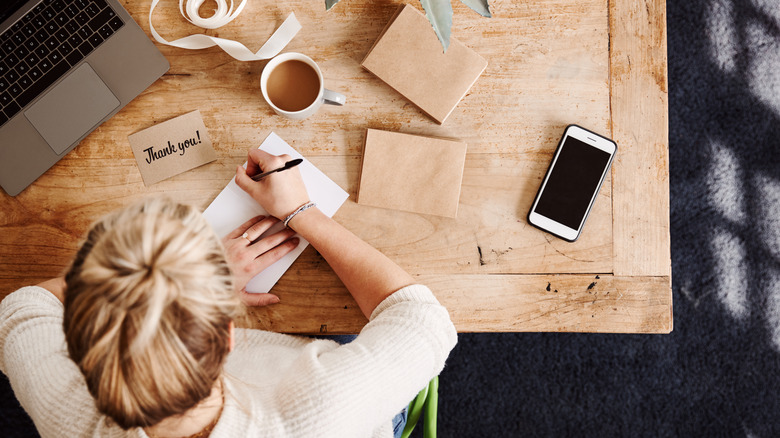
9,11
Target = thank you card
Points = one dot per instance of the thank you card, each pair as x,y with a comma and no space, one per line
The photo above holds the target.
172,147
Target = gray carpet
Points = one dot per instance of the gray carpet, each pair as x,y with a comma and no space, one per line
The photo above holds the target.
718,373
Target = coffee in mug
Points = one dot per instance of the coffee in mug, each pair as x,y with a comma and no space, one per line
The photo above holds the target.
292,85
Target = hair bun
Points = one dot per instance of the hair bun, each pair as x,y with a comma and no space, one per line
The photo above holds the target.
147,307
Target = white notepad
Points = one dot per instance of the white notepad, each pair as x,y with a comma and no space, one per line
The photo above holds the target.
233,206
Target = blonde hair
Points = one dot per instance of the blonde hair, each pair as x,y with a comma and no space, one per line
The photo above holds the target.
148,305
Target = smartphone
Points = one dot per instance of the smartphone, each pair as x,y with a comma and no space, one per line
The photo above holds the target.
572,182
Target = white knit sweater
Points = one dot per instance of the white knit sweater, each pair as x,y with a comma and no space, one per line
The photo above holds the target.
276,386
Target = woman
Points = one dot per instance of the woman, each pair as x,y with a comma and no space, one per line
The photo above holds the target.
149,348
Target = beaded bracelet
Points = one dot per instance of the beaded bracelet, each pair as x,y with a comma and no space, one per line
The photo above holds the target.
303,207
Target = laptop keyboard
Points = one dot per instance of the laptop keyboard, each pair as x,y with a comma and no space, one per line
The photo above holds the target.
45,43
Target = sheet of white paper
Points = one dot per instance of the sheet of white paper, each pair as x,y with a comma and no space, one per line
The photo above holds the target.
232,207
280,38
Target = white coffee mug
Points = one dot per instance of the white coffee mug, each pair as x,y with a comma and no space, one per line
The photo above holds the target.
324,96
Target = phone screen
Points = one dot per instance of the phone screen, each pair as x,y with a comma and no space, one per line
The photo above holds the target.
574,179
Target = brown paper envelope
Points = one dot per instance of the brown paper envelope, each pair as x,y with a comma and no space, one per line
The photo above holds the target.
411,173
172,147
409,57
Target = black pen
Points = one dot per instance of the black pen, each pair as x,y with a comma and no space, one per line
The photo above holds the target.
288,165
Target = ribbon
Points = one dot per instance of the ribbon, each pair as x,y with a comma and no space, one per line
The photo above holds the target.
224,15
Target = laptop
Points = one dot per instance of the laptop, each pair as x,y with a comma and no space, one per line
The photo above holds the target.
66,66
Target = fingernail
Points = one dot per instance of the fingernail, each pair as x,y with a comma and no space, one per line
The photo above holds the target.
276,300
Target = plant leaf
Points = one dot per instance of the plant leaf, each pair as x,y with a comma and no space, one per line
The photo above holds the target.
329,4
481,7
439,13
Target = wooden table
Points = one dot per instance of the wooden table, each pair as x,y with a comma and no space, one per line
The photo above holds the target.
597,63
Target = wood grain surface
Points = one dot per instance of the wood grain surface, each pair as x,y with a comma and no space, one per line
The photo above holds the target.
641,168
548,66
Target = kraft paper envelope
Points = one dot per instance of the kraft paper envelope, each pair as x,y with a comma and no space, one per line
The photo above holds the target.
411,173
172,147
409,57
233,207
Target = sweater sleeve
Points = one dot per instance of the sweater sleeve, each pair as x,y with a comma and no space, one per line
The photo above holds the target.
352,389
33,355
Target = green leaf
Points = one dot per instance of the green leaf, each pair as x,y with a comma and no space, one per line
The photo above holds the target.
439,13
481,7
431,409
329,4
414,411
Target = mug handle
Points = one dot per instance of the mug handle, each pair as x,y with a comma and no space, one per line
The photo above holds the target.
333,98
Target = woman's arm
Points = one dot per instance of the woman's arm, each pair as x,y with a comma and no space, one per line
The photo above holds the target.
368,274
46,381
350,389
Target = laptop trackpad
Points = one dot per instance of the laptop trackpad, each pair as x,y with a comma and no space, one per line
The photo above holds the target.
72,108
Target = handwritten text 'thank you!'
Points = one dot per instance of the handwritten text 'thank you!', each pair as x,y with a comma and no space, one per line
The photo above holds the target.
170,149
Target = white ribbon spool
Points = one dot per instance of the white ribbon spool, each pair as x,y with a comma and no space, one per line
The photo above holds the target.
221,17
224,15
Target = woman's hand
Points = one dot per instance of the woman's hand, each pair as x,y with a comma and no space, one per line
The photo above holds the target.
247,255
280,193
